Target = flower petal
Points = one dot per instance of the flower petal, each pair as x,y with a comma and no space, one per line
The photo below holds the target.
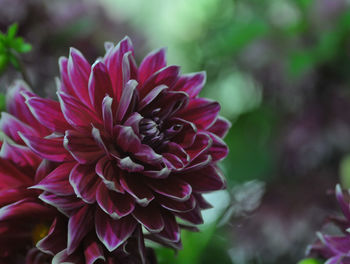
109,174
67,205
194,216
55,240
171,231
176,206
112,233
150,217
93,252
137,189
126,99
220,127
219,149
153,62
191,83
171,187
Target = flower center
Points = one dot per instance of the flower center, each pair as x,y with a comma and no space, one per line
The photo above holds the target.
39,232
150,131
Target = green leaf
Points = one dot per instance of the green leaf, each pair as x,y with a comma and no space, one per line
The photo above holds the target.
12,31
3,62
310,261
2,102
25,47
14,61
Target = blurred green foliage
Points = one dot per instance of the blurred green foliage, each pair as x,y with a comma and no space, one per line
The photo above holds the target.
10,47
2,102
311,261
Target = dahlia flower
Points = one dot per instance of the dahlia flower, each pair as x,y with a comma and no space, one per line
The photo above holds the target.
336,248
24,219
135,149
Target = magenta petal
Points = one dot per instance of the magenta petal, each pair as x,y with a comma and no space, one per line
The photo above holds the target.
126,99
150,217
19,155
115,62
171,187
136,189
176,206
344,205
201,144
114,204
202,112
78,226
112,233
99,85
57,181
67,205
83,148
194,216
171,231
55,240
198,163
107,114
77,114
79,71
12,195
84,181
64,257
93,252
133,122
219,149
127,164
109,174
65,84
188,132
152,95
48,113
153,62
205,180
220,127
201,202
7,172
10,125
192,83
51,149
166,76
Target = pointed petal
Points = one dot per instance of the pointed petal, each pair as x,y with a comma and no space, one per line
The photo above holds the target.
112,233
107,114
125,100
137,189
11,176
202,143
55,240
84,181
51,149
150,217
153,62
194,216
171,231
65,84
192,83
109,174
219,149
114,204
220,127
78,226
176,206
202,112
79,71
64,258
151,96
93,252
188,132
171,187
67,205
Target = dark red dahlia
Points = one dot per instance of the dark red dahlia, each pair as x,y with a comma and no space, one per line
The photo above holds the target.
136,146
336,248
24,219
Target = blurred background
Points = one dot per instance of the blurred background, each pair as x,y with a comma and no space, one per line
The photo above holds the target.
281,71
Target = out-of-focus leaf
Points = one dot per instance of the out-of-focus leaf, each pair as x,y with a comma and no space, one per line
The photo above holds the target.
304,4
310,261
3,62
300,62
12,31
344,172
2,102
20,46
14,61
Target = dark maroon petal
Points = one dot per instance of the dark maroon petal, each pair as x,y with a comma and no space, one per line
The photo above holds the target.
171,102
24,209
171,231
79,71
12,195
93,252
77,114
96,134
172,187
84,181
187,134
201,202
177,206
200,162
118,66
126,99
218,149
201,144
7,172
191,83
10,125
19,155
344,205
65,84
114,204
112,233
57,181
158,174
178,151
166,76
172,161
194,216
15,100
152,95
133,122
78,226
67,205
107,114
205,180
153,62
150,217
64,257
133,185
99,85
82,147
48,113
220,127
51,149
202,112
109,174
55,241
127,164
